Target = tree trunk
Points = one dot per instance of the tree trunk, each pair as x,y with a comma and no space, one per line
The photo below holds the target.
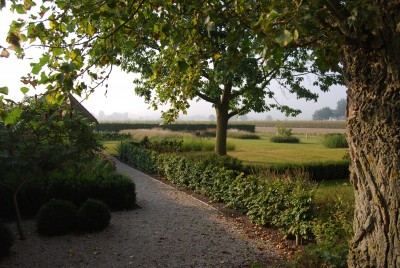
18,216
373,132
222,129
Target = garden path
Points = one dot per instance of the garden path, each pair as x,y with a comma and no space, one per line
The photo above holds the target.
172,229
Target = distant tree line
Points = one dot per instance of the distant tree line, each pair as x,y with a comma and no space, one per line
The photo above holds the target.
327,113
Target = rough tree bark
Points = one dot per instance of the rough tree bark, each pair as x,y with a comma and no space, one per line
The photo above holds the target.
373,131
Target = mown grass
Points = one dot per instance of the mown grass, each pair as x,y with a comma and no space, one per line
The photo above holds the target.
111,147
265,152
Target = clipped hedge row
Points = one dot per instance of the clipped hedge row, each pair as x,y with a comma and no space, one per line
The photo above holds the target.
318,171
286,204
115,126
141,158
116,190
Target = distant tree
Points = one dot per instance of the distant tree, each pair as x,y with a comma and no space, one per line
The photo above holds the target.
325,113
340,112
211,117
268,118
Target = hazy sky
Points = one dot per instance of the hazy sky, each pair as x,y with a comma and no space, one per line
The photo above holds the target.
121,96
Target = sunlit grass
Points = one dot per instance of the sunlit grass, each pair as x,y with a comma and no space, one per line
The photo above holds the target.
265,152
111,147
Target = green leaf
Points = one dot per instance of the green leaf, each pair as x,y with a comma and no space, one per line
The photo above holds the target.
36,67
12,117
284,38
24,90
4,90
183,66
58,51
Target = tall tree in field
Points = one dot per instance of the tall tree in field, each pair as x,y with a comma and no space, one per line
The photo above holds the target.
183,51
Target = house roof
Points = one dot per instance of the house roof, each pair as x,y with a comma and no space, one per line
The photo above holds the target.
76,104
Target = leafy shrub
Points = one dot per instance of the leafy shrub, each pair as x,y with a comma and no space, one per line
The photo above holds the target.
6,239
239,134
56,217
284,139
141,158
335,140
286,203
93,215
283,130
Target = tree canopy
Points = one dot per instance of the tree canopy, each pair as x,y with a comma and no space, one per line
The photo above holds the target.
183,50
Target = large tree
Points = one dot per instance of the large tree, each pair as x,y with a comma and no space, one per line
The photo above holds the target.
183,51
362,38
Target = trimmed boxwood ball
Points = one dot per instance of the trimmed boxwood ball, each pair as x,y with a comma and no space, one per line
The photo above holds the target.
6,240
94,215
56,217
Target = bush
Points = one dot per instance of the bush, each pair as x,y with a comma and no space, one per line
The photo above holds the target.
57,217
94,215
284,139
318,171
117,190
141,158
6,239
335,140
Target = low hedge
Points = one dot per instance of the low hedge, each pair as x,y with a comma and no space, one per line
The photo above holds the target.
116,190
318,171
141,158
286,204
284,139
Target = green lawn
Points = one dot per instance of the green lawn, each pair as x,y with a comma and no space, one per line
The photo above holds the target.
263,151
111,147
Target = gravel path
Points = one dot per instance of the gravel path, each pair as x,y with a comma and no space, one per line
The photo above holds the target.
172,229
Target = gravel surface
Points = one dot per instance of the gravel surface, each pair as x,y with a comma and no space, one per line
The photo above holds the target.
172,229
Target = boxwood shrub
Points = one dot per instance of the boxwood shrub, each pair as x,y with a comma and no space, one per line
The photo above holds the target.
94,215
57,217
